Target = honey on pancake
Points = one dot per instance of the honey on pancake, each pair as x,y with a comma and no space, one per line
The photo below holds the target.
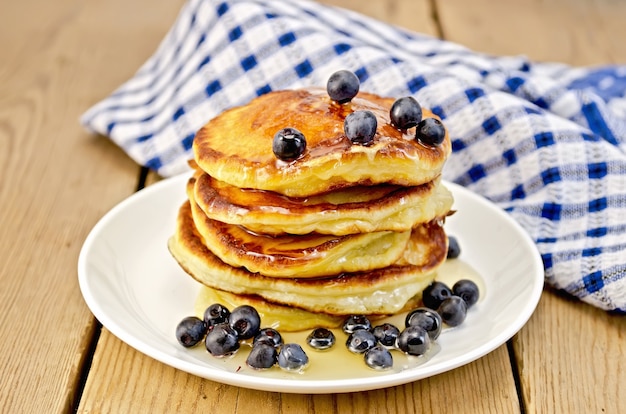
379,291
297,256
236,146
294,328
357,209
303,256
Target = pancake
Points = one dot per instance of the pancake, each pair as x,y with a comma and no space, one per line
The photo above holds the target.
302,256
274,315
307,255
380,291
236,146
277,316
358,209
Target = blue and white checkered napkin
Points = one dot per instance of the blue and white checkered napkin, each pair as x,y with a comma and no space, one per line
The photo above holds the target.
543,141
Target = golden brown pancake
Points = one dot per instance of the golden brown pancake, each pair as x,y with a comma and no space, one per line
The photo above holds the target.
306,255
380,291
236,146
358,209
274,315
301,256
277,316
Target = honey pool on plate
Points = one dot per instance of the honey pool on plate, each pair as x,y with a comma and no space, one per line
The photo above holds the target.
337,362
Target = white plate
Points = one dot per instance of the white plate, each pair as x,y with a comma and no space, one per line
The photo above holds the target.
138,292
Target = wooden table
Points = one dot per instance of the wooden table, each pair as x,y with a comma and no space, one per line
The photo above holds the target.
59,57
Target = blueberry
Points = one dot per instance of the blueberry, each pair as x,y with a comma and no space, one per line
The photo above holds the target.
405,113
356,322
215,314
414,340
435,293
190,331
222,340
292,357
262,356
386,334
269,336
453,311
360,341
360,127
342,86
427,319
321,338
454,249
430,131
246,321
466,290
378,358
288,144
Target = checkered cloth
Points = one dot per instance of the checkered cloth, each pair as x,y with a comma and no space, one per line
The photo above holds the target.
543,141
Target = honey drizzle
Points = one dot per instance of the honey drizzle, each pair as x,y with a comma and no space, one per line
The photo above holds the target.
338,363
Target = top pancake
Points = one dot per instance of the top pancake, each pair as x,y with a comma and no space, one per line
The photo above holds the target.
236,146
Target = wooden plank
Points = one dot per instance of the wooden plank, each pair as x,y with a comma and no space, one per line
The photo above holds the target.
570,354
416,15
571,358
579,32
124,380
57,181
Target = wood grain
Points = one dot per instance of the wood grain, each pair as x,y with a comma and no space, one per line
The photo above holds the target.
56,182
123,380
416,15
571,358
570,355
579,32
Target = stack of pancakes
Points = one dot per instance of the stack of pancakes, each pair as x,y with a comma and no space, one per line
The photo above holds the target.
344,229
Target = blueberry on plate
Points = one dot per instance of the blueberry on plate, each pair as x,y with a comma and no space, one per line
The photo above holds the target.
453,311
435,293
262,356
222,340
430,131
360,341
360,127
215,314
405,113
292,357
288,144
342,86
386,334
190,331
246,321
427,318
466,290
356,322
269,336
378,358
321,338
414,340
454,248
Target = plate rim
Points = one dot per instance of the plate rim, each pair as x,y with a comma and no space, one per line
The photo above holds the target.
303,385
